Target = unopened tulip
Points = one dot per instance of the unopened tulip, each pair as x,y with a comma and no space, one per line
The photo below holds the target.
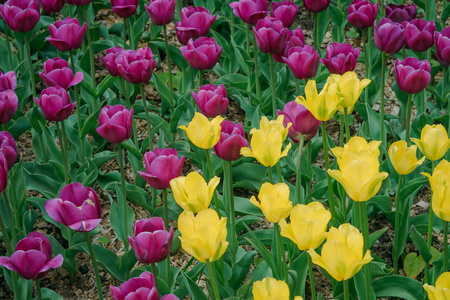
202,132
136,66
55,104
400,13
412,74
212,100
152,241
192,192
124,8
440,185
232,139
8,148
115,123
271,35
8,105
285,11
110,60
33,257
202,54
340,58
3,172
273,200
67,34
295,38
20,15
420,34
57,72
404,158
349,87
271,289
303,62
161,12
195,22
161,166
324,105
142,287
250,11
389,36
316,5
362,13
441,289
442,42
193,230
51,6
8,81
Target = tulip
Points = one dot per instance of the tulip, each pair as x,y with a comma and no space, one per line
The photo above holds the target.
115,123
124,8
389,36
55,104
232,139
303,122
79,2
362,13
212,100
441,290
193,230
419,34
295,38
136,66
349,87
67,35
441,175
271,35
303,62
202,54
20,15
442,42
192,192
400,13
342,254
316,5
51,6
341,58
161,12
57,72
285,11
412,74
8,81
250,11
161,166
270,288
152,242
3,172
403,158
142,287
8,105
273,200
357,147
8,148
33,257
195,22
202,132
110,60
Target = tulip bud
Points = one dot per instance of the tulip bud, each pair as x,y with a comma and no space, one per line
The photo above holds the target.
271,35
341,58
3,172
295,38
195,22
273,200
362,13
142,287
136,66
349,87
303,62
419,34
389,36
434,141
110,60
8,105
202,132
8,81
285,11
439,182
51,6
8,148
270,288
202,54
400,13
124,8
20,15
412,74
232,139
442,42
441,289
161,12
67,34
250,11
324,105
57,72
403,158
115,123
212,101
316,5
55,104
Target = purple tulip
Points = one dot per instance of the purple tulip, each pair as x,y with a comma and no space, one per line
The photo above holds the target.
316,5
110,60
303,122
161,12
211,100
341,58
285,11
8,148
3,173
77,207
303,62
389,36
67,34
51,6
161,166
8,81
57,72
136,66
202,54
412,74
79,2
442,42
232,139
115,123
195,22
20,15
250,11
33,257
55,104
124,8
400,13
362,13
419,34
169,297
295,38
152,242
8,106
271,35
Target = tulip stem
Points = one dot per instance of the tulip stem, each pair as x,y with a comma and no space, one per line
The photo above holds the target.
38,289
200,79
408,119
127,100
124,194
282,265
166,209
255,50
430,228
311,278
30,64
124,25
8,45
274,95
421,109
192,83
213,280
383,69
9,249
347,127
211,175
445,265
366,62
130,34
147,117
91,50
397,221
315,32
153,265
94,265
269,168
341,130
327,167
62,145
346,290
169,66
233,235
339,27
365,232
247,32
299,89
300,199
280,177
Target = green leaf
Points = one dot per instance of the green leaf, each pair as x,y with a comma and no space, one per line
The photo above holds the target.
91,121
240,270
194,290
376,235
162,89
413,264
398,286
49,295
420,244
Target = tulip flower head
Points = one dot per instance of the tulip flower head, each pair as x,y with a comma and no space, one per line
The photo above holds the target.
302,61
124,8
55,104
67,34
3,172
442,42
161,12
357,147
400,13
433,142
202,54
202,132
340,58
324,105
419,34
194,229
57,72
115,123
8,105
273,200
250,11
316,6
110,60
212,100
295,38
441,289
8,148
403,158
195,22
136,66
412,74
389,36
285,11
271,289
362,13
51,6
8,81
349,87
142,287
271,35
20,15
232,139
440,185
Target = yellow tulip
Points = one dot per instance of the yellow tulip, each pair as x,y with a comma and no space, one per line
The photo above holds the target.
308,225
342,254
271,289
349,109
404,158
273,201
434,142
203,236
440,174
357,147
440,185
202,132
273,129
441,290
192,193
349,87
323,105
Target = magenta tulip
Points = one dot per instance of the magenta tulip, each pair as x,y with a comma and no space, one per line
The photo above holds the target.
136,66
250,11
412,74
55,104
8,81
303,122
362,13
77,207
161,12
33,257
67,34
295,38
161,166
400,13
3,172
8,106
340,58
8,148
20,15
110,60
51,6
442,42
212,100
124,8
285,11
202,54
232,139
115,123
169,297
152,242
419,34
389,36
316,5
271,35
57,72
303,62
195,22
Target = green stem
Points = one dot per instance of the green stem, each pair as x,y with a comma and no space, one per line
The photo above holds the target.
397,222
421,109
124,25
315,32
180,6
274,95
430,214
280,177
131,34
255,49
247,32
211,175
8,45
62,144
153,265
231,22
299,90
234,242
299,199
94,264
327,167
369,53
147,118
339,27
341,130
311,278
213,280
445,265
9,249
269,168
169,63
124,193
347,127
281,257
365,232
91,49
200,79
383,80
366,63
30,64
11,220
128,103
38,289
408,120
309,170
166,209
346,290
